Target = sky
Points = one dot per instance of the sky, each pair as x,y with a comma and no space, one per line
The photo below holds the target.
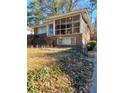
83,4
94,15
29,0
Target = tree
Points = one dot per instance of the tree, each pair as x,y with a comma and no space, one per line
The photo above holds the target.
41,9
92,7
56,7
93,4
34,14
71,4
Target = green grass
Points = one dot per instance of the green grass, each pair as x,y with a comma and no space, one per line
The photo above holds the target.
67,73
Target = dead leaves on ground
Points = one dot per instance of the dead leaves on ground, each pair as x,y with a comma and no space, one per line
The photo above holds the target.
67,73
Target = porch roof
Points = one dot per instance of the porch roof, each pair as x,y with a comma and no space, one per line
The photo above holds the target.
83,12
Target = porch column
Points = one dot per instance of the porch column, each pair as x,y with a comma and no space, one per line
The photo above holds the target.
84,46
54,27
47,29
81,24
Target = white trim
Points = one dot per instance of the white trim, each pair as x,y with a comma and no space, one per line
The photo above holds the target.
54,27
68,34
81,23
68,14
47,29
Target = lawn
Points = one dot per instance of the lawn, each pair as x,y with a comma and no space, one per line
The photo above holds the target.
58,70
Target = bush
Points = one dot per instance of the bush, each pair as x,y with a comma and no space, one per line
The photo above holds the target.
91,45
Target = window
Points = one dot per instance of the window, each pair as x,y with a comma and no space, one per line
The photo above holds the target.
57,32
76,27
68,25
63,31
57,22
76,30
50,29
76,24
69,19
66,41
58,27
42,30
73,41
59,41
63,20
76,18
69,31
63,26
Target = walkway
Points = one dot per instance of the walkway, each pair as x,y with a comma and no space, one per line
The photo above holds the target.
94,87
92,57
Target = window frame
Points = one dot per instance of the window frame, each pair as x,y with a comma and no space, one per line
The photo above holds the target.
64,42
67,24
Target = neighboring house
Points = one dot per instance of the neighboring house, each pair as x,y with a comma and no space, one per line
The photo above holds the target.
70,29
30,30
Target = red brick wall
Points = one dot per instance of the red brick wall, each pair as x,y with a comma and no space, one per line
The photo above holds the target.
54,38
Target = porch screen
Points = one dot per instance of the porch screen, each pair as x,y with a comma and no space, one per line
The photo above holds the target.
67,25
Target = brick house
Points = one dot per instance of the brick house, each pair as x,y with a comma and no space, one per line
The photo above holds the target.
70,29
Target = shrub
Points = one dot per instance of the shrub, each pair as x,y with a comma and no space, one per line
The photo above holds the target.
91,45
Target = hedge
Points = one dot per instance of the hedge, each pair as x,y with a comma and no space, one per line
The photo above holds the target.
91,45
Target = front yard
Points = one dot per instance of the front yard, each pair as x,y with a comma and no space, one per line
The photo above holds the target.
58,70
